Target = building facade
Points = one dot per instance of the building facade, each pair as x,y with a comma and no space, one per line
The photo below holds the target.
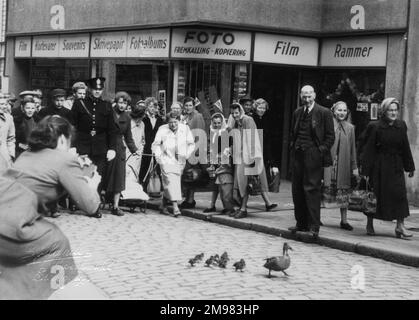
3,11
359,51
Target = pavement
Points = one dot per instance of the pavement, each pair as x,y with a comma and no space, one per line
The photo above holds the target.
384,245
145,256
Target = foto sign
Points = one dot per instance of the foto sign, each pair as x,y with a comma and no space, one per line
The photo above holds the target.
211,44
272,48
354,52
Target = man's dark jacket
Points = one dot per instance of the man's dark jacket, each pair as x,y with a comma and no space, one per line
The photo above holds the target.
322,128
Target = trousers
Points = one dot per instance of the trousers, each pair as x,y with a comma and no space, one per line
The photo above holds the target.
306,188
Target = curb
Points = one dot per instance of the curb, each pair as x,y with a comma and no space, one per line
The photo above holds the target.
359,248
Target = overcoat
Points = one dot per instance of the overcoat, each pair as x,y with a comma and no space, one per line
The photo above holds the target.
386,155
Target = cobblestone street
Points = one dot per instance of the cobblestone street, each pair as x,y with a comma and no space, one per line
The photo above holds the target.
145,256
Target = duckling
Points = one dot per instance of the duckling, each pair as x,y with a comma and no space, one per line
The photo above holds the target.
222,263
280,263
224,256
192,262
216,258
209,261
240,265
199,257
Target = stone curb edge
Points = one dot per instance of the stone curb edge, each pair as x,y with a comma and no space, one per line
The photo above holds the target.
359,248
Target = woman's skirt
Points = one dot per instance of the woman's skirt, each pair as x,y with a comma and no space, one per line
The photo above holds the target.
171,179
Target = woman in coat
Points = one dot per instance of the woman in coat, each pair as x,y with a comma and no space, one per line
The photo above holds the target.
115,182
337,178
174,143
248,160
262,122
7,138
34,253
24,121
386,155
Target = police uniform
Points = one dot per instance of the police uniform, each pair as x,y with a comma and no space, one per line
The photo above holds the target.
96,129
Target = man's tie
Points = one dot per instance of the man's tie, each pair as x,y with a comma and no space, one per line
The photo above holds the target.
305,112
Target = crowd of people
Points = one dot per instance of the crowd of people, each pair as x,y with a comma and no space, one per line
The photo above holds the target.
73,151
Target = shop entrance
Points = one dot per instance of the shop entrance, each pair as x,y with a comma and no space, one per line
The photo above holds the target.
279,87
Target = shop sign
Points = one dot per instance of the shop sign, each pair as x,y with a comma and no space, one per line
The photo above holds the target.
211,44
281,49
109,45
74,46
45,47
148,44
23,47
354,52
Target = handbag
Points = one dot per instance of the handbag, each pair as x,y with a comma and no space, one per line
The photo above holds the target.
363,200
254,185
154,183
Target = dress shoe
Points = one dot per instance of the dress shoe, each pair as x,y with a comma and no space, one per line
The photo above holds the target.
211,209
346,226
314,234
164,210
176,213
232,213
97,214
240,214
117,212
228,211
187,205
401,234
271,206
295,229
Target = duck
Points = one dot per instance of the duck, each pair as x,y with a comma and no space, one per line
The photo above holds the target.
280,263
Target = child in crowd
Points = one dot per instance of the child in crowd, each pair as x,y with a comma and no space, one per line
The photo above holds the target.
220,144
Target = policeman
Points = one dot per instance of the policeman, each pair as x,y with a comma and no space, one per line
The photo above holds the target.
95,126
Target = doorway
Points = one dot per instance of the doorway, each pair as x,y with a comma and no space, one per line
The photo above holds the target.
279,87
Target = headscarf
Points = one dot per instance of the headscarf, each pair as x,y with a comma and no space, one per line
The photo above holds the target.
231,122
215,132
385,105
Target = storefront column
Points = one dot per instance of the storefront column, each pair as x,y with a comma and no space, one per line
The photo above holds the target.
17,70
411,97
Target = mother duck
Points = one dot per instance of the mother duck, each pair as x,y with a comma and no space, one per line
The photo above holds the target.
280,263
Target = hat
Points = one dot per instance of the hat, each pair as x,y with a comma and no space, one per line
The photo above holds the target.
96,83
245,98
78,85
28,93
58,93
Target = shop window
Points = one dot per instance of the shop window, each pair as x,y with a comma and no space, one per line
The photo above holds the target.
142,81
49,74
362,90
211,82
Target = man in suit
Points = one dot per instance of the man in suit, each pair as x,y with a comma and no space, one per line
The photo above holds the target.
312,137
57,107
96,127
152,123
